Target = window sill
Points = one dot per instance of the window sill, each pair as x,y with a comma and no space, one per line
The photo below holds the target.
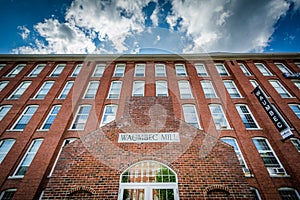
254,129
15,177
279,176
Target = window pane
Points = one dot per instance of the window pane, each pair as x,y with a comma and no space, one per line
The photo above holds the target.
289,194
5,146
119,70
139,70
50,118
44,90
244,69
16,70
3,84
8,194
115,90
246,116
263,69
232,89
76,70
25,117
221,70
208,89
37,70
58,70
160,70
138,88
280,89
109,114
92,90
283,68
190,115
185,90
161,88
20,90
81,117
4,110
66,90
201,70
99,70
218,116
296,143
180,70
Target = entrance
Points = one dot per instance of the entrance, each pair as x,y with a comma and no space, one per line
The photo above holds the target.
148,180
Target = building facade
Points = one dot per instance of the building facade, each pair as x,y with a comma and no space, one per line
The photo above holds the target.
149,126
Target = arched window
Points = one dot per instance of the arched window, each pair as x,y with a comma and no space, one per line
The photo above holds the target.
148,180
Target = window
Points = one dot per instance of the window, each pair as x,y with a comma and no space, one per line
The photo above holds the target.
76,70
119,70
268,156
161,88
297,83
64,93
222,70
25,117
201,70
138,88
28,158
232,142
58,70
2,66
4,110
280,89
8,194
81,117
246,116
3,84
298,65
296,109
255,193
208,89
218,116
115,90
92,89
296,143
5,146
66,141
244,69
190,115
51,117
185,90
263,69
99,70
160,70
283,68
232,89
180,70
41,94
16,70
139,70
288,193
20,90
109,114
37,70
254,83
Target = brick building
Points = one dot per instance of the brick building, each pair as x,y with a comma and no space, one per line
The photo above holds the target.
149,126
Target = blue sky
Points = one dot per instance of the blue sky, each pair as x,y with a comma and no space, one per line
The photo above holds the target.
149,26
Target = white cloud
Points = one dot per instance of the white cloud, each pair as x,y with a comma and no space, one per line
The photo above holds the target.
154,16
25,32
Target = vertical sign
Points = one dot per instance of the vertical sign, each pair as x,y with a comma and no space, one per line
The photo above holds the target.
273,114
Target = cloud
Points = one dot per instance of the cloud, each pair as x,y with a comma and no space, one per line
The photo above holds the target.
118,26
25,32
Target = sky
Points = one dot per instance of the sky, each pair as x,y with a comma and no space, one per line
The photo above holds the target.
149,26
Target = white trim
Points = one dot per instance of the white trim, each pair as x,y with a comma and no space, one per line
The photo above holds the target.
114,87
57,66
285,68
235,88
23,113
164,86
263,69
211,87
141,66
281,87
137,85
76,68
185,89
186,114
118,67
217,65
162,73
199,70
50,114
6,152
88,87
7,190
244,69
104,111
9,75
36,67
99,66
219,126
252,116
6,111
179,67
77,113
18,88
42,88
61,93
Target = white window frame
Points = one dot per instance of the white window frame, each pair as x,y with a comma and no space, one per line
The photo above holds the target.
255,190
67,88
273,171
160,70
2,66
201,70
298,64
255,84
280,89
5,147
119,70
115,90
16,71
43,91
3,84
239,155
296,143
20,90
77,70
263,69
4,109
51,117
138,88
219,118
32,150
139,70
283,68
37,70
110,115
80,119
232,89
222,71
8,190
208,89
190,115
296,113
185,89
296,83
57,70
288,189
243,115
91,90
24,115
99,70
161,88
65,142
244,69
180,70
